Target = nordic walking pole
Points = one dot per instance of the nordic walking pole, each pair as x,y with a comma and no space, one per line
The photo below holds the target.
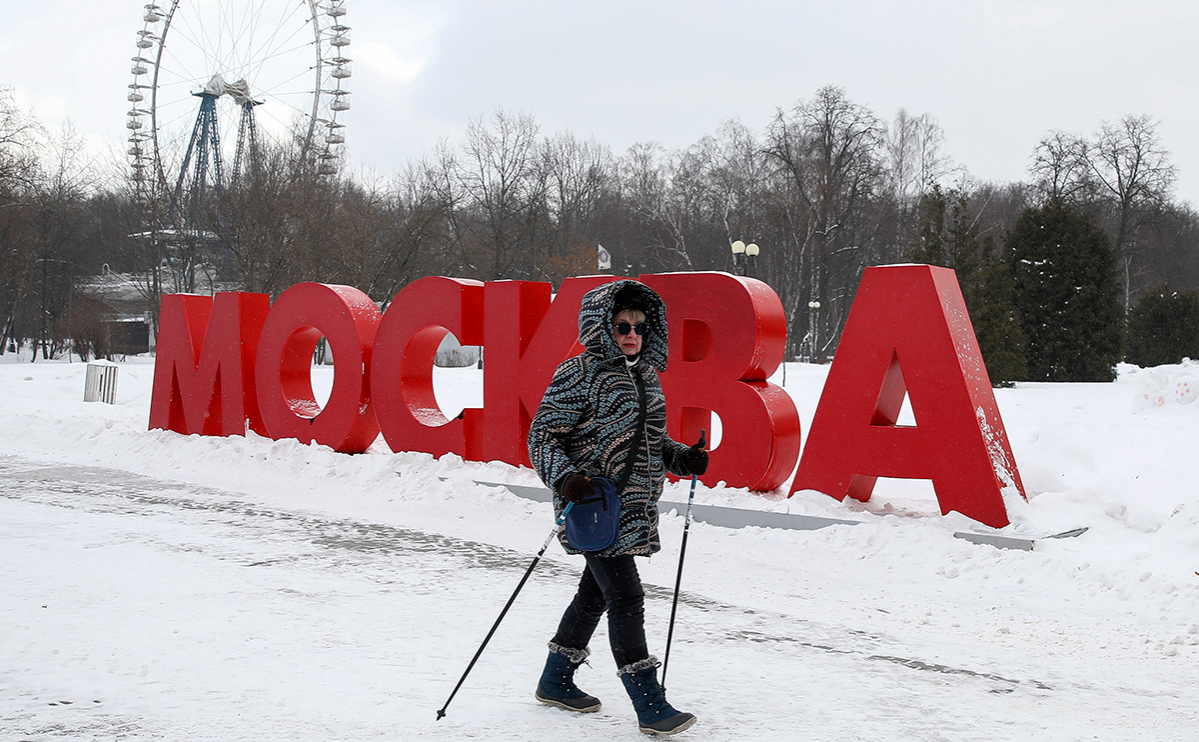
679,577
557,524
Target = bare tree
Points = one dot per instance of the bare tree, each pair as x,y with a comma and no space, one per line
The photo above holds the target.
266,207
59,237
18,166
417,224
647,186
1061,168
579,179
914,165
738,180
1122,174
1134,174
827,153
437,175
914,159
18,134
502,173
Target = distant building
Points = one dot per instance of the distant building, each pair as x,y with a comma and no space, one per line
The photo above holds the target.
113,313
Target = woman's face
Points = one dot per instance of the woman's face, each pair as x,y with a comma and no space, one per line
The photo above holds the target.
630,342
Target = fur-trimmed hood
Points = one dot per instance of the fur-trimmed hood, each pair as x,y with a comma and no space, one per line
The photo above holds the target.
595,323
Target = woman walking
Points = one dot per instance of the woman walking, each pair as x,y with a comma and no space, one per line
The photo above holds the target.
604,415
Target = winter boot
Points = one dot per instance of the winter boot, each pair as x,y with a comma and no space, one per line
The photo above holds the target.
654,714
557,686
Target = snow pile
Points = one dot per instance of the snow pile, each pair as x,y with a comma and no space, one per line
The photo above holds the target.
168,587
1165,384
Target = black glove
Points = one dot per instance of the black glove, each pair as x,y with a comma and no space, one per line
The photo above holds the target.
696,459
578,488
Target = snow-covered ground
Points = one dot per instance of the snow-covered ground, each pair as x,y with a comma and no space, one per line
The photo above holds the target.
157,586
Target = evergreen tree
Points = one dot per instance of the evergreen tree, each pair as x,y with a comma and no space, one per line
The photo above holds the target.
947,234
1067,292
1163,327
991,301
929,244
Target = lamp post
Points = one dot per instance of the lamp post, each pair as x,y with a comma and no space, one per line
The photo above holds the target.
813,310
743,257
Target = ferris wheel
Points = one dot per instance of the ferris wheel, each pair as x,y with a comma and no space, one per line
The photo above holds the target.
216,80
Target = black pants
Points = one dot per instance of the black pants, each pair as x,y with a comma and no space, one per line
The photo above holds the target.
611,584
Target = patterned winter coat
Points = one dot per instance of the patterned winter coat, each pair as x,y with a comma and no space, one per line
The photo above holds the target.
588,420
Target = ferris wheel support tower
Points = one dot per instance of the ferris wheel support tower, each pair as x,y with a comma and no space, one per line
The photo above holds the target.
288,60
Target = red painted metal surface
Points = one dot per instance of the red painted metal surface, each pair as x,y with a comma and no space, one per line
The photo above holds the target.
908,331
204,369
727,336
347,319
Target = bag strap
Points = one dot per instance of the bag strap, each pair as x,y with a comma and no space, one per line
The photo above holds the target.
641,415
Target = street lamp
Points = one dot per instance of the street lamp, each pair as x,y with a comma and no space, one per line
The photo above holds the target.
813,310
743,256
751,253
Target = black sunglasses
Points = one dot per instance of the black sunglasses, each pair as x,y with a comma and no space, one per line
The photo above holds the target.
624,328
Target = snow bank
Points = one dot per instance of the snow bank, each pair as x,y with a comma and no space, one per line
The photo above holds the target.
1088,630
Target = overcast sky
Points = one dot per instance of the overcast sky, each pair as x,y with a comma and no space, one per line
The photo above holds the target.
997,74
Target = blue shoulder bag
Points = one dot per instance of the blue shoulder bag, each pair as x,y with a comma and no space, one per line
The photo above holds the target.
594,523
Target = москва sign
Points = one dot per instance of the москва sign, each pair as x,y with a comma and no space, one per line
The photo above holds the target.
235,360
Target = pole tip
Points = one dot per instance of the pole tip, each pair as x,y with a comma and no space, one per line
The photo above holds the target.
440,714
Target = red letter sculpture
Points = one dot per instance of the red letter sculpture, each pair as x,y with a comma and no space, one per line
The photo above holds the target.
526,337
347,318
727,336
908,330
204,369
416,322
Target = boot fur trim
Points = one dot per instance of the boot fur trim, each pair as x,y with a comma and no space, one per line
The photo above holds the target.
639,665
577,656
